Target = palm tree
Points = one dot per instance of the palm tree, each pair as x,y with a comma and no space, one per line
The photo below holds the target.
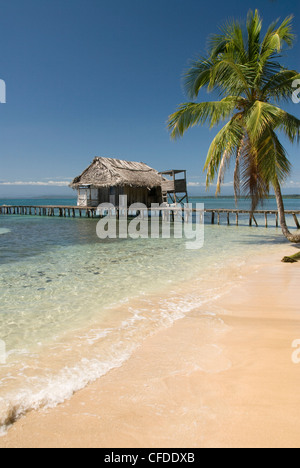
243,67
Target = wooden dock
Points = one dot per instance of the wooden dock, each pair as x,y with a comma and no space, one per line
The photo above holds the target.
93,212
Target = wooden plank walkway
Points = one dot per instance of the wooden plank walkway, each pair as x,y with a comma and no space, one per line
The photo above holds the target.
93,212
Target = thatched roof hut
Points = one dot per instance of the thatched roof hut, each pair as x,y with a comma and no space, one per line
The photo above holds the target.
106,178
108,172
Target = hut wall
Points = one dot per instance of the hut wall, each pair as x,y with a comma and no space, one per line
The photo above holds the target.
136,195
94,197
103,195
143,195
155,196
82,197
87,197
110,195
178,185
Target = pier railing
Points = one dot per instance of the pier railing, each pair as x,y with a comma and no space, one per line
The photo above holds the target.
232,216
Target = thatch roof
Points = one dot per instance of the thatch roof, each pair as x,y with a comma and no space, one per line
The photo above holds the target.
107,172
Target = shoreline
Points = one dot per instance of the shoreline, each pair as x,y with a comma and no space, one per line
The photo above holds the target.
222,379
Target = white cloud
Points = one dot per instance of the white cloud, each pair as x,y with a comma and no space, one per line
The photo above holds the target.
203,184
49,183
196,184
291,184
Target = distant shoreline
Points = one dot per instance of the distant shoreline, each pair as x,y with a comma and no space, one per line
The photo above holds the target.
66,197
231,197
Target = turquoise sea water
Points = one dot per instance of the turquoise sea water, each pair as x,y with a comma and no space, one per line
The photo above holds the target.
74,306
210,202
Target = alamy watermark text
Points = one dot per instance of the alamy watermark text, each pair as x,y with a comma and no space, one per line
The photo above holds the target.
2,92
296,92
158,221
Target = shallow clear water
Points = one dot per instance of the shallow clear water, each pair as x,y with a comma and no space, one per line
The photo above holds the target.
73,306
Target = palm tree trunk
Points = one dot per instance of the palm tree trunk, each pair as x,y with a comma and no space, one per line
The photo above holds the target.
295,238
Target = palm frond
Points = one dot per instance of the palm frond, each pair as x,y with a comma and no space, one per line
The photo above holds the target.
197,76
227,140
279,86
237,172
190,114
253,183
267,62
272,157
254,27
259,116
231,40
232,77
290,125
276,37
222,169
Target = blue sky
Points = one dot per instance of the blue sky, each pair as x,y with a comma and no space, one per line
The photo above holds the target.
92,78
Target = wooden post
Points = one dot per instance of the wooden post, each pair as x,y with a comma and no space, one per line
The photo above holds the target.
213,218
237,218
228,218
219,218
276,217
250,220
266,220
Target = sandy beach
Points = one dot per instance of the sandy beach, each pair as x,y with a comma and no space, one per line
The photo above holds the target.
225,379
